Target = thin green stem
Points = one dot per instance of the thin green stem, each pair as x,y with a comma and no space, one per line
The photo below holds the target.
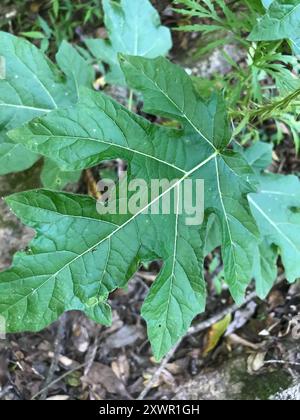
130,100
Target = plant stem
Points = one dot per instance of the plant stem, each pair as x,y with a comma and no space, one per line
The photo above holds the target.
130,100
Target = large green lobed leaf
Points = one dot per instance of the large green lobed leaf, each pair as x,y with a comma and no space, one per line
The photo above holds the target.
97,129
80,256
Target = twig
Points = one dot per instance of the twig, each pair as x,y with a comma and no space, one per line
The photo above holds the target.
281,362
130,100
91,355
211,321
236,339
59,379
57,351
5,391
193,330
158,372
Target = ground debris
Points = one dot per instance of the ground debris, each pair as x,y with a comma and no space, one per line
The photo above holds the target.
290,394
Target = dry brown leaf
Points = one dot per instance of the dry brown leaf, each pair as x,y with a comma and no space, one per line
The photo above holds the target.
81,336
275,299
256,362
126,336
121,368
104,376
178,367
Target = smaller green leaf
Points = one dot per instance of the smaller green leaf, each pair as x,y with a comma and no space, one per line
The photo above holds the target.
75,67
282,21
134,28
34,86
213,234
33,35
259,156
55,6
265,268
276,209
45,27
14,157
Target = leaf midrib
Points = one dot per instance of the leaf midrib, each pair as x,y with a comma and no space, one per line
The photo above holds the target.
172,277
30,108
272,223
129,149
289,13
226,217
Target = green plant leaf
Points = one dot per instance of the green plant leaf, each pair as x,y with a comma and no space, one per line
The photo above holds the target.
162,97
217,15
265,268
178,99
33,86
282,21
33,35
75,67
267,3
44,282
14,157
28,70
259,156
213,237
54,178
98,129
276,208
295,43
134,28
